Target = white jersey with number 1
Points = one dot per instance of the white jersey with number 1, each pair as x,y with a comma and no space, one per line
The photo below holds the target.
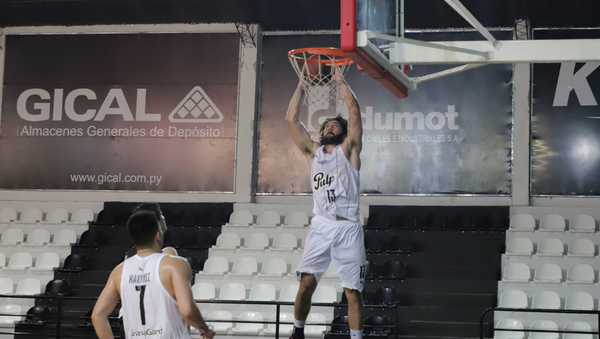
335,183
149,311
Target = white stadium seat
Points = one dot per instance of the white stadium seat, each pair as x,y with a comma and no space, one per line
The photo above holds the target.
513,299
232,291
273,268
249,328
268,219
37,238
288,293
284,329
582,223
516,272
29,286
324,294
550,247
548,274
203,291
519,247
30,216
19,262
580,274
509,324
7,286
12,237
546,300
56,216
284,242
9,320
244,267
64,237
215,266
296,219
522,223
581,248
578,326
262,292
220,327
255,241
579,301
241,218
227,241
552,223
46,261
315,330
7,215
81,216
545,325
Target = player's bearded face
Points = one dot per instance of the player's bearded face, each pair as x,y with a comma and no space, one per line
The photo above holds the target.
330,138
332,134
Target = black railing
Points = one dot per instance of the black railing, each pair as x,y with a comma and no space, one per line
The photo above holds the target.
533,310
59,314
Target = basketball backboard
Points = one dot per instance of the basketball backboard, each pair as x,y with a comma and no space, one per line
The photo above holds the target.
372,35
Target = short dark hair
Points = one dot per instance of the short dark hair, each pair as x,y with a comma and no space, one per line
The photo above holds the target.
142,227
150,207
343,122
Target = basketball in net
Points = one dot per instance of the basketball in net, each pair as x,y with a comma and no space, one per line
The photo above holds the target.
315,66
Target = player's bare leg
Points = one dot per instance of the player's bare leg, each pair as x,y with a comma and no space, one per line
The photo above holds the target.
308,284
355,312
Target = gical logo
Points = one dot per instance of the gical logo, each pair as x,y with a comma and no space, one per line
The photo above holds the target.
196,107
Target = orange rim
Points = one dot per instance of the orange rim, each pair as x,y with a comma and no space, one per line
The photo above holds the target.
338,57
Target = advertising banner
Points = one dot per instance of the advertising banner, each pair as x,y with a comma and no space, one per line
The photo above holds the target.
565,128
153,112
450,136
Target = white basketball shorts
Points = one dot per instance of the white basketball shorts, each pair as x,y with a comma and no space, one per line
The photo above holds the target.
339,241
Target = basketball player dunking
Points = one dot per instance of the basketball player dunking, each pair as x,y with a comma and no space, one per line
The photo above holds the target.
154,289
336,234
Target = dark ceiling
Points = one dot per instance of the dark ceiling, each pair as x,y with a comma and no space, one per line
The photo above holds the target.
288,15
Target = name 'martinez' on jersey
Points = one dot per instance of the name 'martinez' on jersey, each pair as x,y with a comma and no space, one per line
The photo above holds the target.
139,278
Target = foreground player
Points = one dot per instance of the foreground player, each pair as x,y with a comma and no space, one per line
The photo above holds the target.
336,233
154,289
155,208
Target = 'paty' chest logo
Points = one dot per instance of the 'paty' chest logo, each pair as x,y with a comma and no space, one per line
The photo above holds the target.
322,180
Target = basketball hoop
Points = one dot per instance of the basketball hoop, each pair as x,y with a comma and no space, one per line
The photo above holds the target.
315,66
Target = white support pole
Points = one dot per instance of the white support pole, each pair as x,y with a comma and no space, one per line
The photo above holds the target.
512,52
435,45
446,72
464,12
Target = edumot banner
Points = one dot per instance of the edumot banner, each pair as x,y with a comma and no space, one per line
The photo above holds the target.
150,112
565,143
450,136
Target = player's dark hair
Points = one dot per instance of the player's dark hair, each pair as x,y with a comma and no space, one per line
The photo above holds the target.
343,122
142,227
150,207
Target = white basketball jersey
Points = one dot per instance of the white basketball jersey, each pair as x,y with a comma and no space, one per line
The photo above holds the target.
335,183
149,311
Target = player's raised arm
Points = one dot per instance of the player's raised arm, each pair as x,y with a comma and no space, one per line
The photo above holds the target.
105,305
297,129
182,277
353,142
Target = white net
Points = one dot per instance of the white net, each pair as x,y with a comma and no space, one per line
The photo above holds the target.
315,67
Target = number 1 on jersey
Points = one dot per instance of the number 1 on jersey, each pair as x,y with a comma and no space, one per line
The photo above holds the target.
142,290
331,195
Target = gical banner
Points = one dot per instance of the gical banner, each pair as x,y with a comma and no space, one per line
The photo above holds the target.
149,112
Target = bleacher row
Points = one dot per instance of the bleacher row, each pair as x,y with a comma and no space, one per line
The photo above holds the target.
561,257
35,246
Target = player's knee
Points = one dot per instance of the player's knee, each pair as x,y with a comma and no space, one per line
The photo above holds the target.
353,296
308,284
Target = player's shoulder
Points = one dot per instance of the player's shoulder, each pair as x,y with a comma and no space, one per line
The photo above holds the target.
175,261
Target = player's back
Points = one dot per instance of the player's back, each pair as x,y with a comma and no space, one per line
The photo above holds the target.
149,311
